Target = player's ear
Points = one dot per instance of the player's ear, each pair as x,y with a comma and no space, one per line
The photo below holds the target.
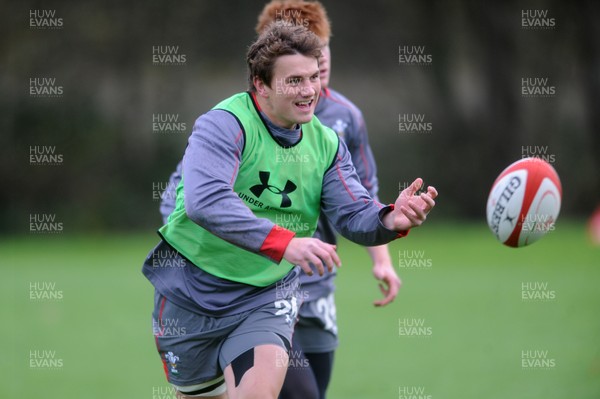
260,86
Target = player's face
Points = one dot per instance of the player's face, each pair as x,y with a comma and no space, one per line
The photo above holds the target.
294,90
325,64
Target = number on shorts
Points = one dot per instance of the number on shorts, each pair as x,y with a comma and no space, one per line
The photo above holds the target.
326,308
287,308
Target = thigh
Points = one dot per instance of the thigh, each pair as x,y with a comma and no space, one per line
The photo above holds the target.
263,380
255,355
189,345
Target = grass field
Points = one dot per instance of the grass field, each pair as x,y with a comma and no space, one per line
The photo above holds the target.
474,319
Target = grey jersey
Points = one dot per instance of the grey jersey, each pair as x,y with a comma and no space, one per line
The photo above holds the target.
340,114
210,166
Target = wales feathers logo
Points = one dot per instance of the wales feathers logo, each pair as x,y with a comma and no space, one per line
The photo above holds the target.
340,127
172,359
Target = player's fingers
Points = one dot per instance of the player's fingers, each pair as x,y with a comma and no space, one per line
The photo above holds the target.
385,291
384,288
419,212
330,256
408,214
389,298
393,285
411,215
414,187
309,252
432,192
336,258
327,254
305,266
318,263
429,202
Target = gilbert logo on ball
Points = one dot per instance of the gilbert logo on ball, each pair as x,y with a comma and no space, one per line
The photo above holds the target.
524,202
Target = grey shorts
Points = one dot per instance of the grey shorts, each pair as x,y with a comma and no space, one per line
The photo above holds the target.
316,330
195,349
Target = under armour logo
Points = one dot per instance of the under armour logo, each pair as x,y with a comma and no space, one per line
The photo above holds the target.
258,189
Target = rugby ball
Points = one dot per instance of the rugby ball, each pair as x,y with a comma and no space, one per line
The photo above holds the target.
524,202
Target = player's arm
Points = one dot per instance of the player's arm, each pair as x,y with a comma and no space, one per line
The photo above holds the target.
349,207
357,139
360,218
383,271
210,167
168,197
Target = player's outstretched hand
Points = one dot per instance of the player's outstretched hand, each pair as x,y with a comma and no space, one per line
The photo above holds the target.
410,209
303,251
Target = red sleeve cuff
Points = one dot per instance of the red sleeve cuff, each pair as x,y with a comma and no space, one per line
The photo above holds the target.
402,233
276,242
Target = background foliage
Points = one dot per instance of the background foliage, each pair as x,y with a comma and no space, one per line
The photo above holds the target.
470,93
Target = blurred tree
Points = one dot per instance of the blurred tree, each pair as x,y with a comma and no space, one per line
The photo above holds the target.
102,58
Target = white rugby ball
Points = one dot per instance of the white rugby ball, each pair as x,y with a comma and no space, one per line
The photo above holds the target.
524,202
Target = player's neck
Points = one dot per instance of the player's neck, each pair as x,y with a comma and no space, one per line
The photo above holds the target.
265,108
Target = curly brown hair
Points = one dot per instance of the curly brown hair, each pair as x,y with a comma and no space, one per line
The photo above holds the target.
310,14
276,40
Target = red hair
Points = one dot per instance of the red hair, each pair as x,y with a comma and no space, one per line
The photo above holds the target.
310,14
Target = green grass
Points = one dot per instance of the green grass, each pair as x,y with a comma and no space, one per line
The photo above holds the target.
469,299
